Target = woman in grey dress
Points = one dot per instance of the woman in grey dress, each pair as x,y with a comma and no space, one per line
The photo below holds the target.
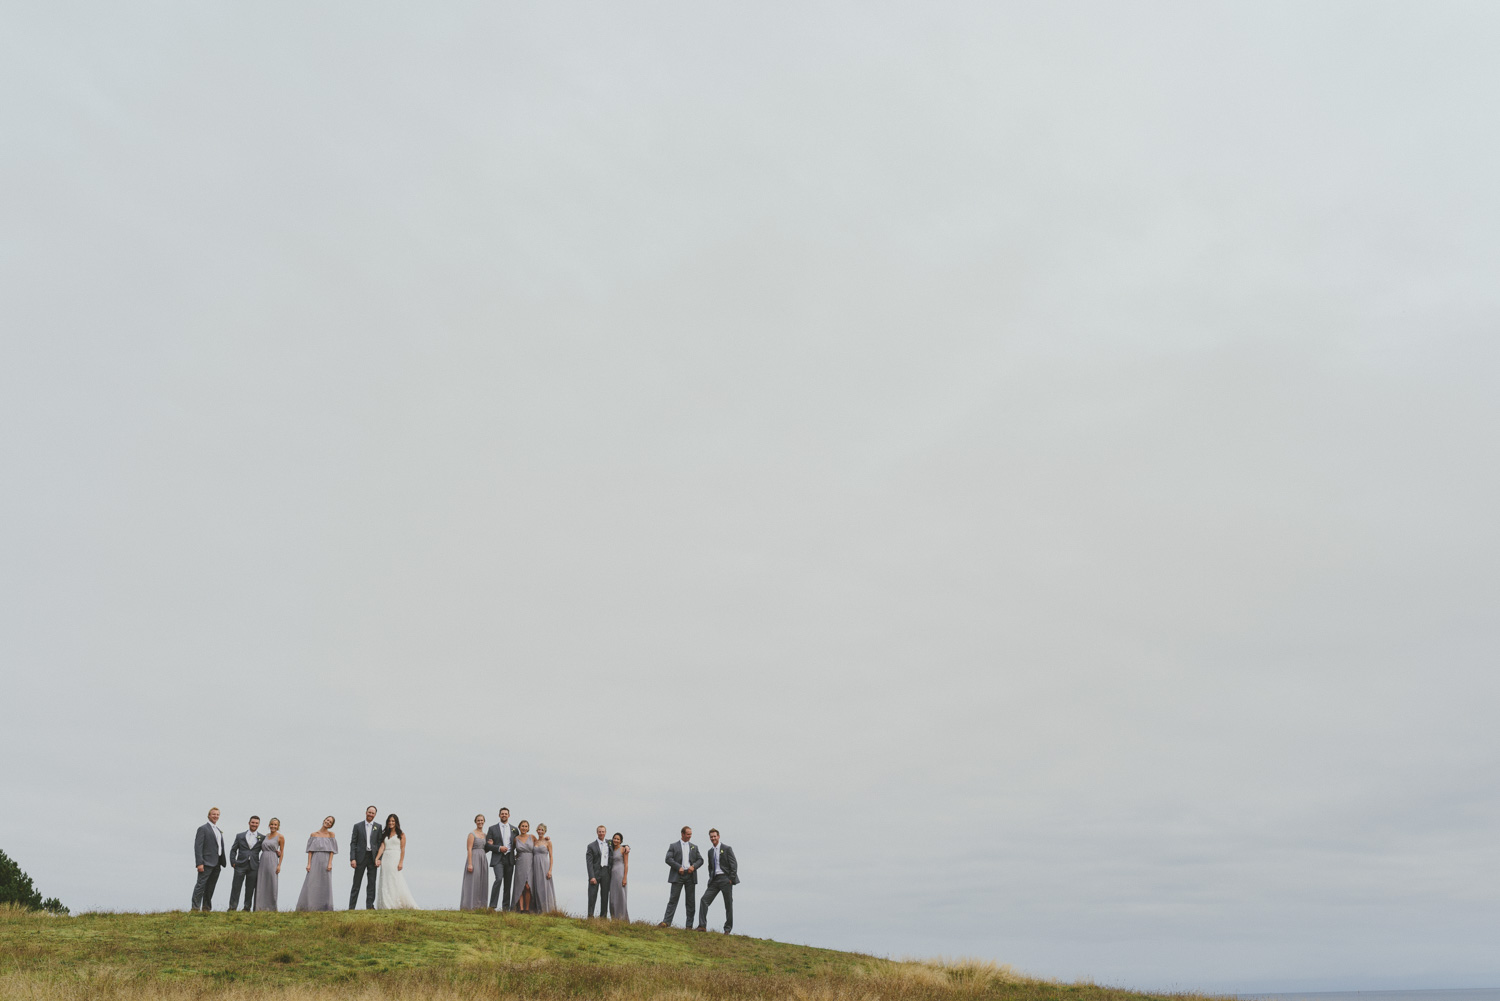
522,892
541,872
317,886
271,851
475,895
618,880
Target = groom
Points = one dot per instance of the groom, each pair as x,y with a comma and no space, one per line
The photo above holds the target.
364,843
500,842
244,857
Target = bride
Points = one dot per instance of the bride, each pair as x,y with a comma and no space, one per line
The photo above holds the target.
390,889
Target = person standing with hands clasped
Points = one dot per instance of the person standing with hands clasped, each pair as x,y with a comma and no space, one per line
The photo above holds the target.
208,856
267,883
244,858
364,849
476,869
317,885
683,861
598,857
723,873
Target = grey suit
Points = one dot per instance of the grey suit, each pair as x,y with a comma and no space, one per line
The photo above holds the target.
721,882
244,858
599,876
502,865
206,853
679,880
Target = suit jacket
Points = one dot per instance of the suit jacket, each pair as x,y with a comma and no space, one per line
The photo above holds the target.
492,845
206,848
726,863
357,849
243,855
674,862
599,869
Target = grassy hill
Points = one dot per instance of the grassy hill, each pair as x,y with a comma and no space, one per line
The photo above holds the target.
451,955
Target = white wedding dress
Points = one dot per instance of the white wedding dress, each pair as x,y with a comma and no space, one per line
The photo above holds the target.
391,893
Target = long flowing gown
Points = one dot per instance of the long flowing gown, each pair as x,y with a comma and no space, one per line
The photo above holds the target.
541,861
476,890
522,878
266,878
617,888
317,887
391,891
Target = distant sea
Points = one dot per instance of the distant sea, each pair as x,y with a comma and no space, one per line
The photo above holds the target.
1469,994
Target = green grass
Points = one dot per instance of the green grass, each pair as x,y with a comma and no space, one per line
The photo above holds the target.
447,955
330,947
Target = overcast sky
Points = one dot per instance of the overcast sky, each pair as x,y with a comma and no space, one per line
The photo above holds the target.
1026,473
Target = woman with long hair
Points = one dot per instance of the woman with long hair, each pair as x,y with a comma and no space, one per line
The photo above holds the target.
391,892
317,885
475,895
269,866
541,872
523,894
619,874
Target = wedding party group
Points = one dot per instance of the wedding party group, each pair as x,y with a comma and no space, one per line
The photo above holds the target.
507,868
257,856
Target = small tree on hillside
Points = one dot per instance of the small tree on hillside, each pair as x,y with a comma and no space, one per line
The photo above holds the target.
16,888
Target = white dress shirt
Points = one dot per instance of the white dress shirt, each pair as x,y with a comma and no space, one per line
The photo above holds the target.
504,834
603,853
220,835
713,861
685,846
370,835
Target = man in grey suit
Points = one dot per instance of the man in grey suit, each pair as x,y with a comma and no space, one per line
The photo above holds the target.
683,860
500,842
598,858
244,859
723,874
208,856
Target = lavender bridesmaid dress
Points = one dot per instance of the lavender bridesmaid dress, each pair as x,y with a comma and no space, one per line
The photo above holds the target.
541,860
266,878
475,895
522,878
317,887
617,888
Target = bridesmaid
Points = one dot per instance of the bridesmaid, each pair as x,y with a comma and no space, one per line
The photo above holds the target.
618,880
317,886
475,895
541,872
523,895
271,851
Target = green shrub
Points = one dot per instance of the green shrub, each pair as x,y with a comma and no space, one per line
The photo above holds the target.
16,888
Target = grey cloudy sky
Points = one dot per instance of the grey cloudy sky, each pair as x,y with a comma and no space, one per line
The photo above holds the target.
1025,472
